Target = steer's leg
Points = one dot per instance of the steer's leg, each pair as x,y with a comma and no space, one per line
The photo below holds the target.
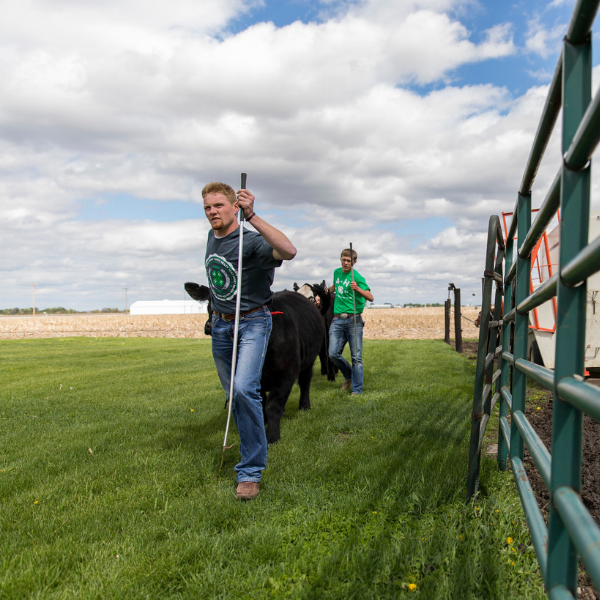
331,370
304,379
275,407
324,359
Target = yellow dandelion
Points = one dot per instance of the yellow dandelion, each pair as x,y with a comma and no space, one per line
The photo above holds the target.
423,539
509,540
460,538
496,511
374,512
513,549
412,587
478,508
192,409
36,501
513,563
538,408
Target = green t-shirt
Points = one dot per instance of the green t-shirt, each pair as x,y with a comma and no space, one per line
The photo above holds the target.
343,292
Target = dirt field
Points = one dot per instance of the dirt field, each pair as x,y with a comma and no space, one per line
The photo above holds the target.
380,324
541,420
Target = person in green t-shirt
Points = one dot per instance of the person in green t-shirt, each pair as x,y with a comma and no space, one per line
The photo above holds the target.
351,292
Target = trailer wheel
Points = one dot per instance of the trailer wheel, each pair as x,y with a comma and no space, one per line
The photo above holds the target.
535,356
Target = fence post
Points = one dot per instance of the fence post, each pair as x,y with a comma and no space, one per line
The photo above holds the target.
504,364
521,349
447,320
457,321
571,316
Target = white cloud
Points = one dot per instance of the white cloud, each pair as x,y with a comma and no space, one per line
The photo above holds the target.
154,100
544,41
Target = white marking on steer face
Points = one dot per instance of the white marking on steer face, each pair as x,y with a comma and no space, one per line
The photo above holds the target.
307,292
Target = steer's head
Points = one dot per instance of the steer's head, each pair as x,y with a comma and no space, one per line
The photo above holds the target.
314,291
200,293
305,290
197,292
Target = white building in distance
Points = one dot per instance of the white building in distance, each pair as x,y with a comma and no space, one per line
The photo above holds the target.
168,307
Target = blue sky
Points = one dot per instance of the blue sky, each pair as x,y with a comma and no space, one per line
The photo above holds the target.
398,126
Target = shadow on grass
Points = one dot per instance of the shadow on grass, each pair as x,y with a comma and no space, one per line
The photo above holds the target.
362,496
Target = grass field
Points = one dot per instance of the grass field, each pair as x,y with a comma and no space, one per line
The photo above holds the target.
109,450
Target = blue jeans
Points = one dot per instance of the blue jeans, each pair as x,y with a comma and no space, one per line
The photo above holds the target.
253,337
340,332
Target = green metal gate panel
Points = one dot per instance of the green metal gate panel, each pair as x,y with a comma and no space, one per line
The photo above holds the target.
571,530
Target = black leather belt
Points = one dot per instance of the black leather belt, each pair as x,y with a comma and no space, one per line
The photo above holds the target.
229,317
346,315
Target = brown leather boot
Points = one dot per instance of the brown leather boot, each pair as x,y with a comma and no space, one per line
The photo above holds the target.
246,490
347,385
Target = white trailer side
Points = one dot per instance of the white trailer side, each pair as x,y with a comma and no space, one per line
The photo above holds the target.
546,319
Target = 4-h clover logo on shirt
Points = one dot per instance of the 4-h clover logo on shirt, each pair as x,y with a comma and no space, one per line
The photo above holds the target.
222,277
217,278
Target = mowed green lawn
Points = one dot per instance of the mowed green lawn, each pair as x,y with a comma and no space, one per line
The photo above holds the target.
109,451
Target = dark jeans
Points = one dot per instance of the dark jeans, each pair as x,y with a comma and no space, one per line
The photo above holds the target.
340,332
253,337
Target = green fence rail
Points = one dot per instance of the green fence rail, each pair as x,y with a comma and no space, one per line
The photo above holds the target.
502,365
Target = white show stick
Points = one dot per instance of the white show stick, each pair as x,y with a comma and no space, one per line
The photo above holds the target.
236,328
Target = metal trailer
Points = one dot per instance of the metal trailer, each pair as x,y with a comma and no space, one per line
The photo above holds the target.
542,320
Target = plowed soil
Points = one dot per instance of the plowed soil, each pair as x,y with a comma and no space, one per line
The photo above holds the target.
426,323
539,414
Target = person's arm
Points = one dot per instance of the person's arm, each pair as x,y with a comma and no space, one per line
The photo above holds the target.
283,249
364,293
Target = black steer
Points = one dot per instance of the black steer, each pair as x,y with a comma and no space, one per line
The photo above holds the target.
326,302
296,340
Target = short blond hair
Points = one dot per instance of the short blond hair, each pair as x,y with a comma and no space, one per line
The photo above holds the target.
349,253
216,187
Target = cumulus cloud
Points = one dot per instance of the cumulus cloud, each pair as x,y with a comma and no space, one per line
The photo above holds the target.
542,40
329,118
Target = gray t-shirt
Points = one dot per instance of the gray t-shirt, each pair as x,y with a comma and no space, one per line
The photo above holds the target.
221,262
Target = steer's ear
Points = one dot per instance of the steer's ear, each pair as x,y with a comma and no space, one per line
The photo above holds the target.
296,287
197,292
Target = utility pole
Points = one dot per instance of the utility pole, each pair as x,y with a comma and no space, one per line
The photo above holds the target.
33,286
125,299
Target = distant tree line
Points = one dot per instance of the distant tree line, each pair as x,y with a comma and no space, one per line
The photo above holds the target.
413,305
58,310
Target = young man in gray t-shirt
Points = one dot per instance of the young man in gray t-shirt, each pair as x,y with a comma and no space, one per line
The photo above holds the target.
264,250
